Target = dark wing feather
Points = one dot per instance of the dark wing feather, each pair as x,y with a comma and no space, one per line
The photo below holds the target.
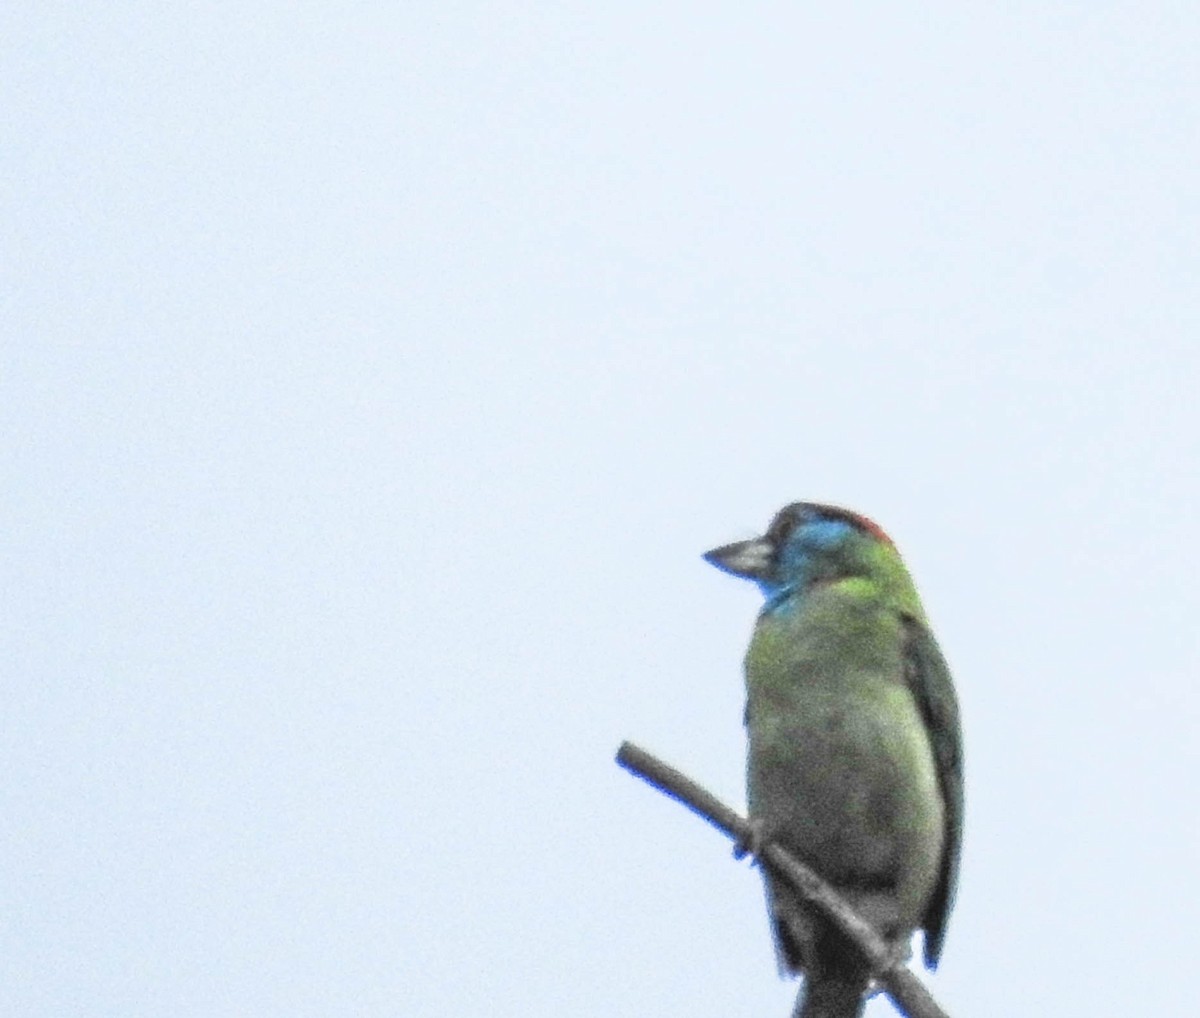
929,679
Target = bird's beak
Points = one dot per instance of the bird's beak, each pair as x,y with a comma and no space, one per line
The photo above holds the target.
751,559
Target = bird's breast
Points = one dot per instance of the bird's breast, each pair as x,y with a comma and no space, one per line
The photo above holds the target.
841,767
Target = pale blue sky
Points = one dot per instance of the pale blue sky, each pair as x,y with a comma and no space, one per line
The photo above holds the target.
374,377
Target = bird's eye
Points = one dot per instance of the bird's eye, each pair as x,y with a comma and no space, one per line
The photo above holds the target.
786,521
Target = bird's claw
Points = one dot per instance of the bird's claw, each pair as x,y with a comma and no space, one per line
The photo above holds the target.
898,956
752,842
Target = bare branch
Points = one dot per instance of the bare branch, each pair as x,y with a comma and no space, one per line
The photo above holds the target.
906,990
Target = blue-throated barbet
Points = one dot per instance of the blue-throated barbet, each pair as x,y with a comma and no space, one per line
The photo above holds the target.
855,751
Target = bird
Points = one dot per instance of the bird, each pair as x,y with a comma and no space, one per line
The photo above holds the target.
854,761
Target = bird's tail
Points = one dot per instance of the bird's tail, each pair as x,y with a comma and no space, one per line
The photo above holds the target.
836,980
832,996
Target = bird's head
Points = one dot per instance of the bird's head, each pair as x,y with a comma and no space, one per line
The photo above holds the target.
808,544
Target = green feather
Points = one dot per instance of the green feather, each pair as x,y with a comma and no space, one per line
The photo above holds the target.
929,679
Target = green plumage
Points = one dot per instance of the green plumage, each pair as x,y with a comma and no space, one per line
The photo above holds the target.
854,746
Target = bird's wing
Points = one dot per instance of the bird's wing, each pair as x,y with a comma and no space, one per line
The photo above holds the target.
929,679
